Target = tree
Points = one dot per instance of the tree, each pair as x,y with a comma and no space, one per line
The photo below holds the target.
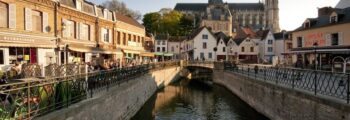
121,7
151,22
173,22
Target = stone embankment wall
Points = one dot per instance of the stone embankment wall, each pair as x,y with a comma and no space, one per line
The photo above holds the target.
120,102
280,103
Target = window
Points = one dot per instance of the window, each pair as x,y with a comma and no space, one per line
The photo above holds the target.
333,19
105,34
204,45
251,49
300,42
269,42
335,39
78,5
172,49
158,49
2,57
242,49
84,32
164,42
269,49
124,38
37,21
307,25
158,42
69,31
23,55
202,55
289,45
205,37
223,49
163,49
118,38
4,15
210,55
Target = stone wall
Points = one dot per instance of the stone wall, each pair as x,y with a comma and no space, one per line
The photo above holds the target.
280,103
120,102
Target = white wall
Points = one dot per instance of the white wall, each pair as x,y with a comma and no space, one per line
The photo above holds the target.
161,45
198,45
44,56
6,58
247,44
220,47
231,45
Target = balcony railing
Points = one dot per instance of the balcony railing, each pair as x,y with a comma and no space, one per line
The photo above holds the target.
319,83
37,96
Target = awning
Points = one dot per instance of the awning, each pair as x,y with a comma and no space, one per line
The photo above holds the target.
168,54
147,54
158,53
89,49
131,51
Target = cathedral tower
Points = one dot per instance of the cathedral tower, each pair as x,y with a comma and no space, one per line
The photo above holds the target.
272,15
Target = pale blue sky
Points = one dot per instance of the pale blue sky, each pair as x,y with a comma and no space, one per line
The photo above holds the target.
292,12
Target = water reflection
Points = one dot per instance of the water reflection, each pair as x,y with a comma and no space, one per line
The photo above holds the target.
191,100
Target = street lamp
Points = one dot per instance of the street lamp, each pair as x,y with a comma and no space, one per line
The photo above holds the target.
315,48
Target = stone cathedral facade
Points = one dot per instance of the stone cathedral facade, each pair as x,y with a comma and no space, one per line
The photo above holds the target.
227,17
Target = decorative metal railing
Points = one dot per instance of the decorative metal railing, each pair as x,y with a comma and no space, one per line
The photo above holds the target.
324,83
35,96
200,63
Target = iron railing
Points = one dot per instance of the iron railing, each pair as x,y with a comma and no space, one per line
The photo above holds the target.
35,97
325,83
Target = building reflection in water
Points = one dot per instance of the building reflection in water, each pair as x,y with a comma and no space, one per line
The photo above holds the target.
192,100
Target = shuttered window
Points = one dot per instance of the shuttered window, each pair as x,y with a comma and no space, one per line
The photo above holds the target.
37,23
84,32
69,30
4,14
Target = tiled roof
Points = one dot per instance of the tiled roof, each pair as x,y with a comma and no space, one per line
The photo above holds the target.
323,20
128,20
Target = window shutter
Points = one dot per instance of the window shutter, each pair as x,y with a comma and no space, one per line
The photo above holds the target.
110,35
81,31
77,26
340,37
92,33
303,42
45,22
65,31
28,19
328,40
12,16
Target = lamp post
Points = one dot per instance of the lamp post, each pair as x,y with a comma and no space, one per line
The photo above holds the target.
315,49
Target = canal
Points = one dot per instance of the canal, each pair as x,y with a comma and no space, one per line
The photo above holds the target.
192,100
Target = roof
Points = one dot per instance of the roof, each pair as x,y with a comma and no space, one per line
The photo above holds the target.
343,4
128,20
201,7
197,31
281,35
162,36
221,35
238,41
177,38
264,34
244,32
323,20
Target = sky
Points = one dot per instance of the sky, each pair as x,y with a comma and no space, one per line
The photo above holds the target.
292,12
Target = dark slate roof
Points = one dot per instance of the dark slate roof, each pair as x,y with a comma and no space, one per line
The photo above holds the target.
197,31
264,34
200,7
238,41
279,36
323,20
177,38
221,35
246,6
162,37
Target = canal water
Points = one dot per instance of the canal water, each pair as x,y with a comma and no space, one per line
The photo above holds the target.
193,100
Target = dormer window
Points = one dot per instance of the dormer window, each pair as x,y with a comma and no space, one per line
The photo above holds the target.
333,19
78,5
307,24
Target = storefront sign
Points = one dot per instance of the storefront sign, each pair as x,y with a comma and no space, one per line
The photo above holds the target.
319,37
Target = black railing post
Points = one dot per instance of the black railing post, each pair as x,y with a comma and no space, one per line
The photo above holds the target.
293,78
348,91
265,73
315,80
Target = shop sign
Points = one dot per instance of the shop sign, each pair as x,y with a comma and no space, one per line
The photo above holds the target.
318,37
